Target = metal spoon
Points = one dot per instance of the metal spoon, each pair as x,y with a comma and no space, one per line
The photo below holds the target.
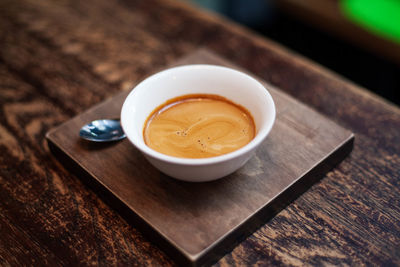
102,131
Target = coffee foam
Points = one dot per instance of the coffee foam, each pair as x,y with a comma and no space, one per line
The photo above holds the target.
199,126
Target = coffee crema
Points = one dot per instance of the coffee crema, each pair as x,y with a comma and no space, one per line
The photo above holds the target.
198,126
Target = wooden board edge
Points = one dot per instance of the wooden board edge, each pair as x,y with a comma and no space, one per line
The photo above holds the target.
226,243
119,206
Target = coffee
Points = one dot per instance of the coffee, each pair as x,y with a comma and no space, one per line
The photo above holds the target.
198,126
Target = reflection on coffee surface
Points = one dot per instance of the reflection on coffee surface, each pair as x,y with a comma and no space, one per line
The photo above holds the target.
198,126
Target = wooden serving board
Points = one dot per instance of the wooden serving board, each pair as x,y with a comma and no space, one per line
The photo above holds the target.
196,223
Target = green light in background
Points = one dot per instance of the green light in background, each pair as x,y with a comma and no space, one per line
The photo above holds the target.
381,17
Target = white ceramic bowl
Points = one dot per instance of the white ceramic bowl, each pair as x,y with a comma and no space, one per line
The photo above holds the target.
197,79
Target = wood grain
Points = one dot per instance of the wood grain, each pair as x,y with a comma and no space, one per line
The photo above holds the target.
60,58
199,223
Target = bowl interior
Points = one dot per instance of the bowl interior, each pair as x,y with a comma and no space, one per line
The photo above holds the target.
195,79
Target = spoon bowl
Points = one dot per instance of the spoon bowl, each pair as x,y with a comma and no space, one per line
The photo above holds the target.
105,130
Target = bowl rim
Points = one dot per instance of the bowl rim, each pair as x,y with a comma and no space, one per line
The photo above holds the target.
260,136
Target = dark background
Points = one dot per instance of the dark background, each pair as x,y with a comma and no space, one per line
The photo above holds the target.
353,62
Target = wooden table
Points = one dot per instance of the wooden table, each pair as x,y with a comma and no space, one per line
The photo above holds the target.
58,59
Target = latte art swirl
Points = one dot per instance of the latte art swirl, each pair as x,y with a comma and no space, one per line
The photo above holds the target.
198,127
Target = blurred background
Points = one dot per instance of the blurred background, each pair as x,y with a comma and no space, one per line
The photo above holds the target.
359,39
